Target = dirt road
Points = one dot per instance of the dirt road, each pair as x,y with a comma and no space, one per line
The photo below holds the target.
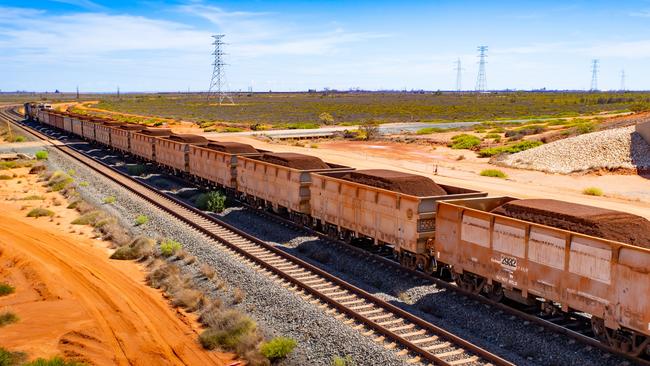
73,301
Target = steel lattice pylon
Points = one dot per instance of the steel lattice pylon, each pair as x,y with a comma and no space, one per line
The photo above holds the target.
594,75
481,80
218,81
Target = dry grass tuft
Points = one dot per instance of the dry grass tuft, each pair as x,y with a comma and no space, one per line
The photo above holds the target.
238,295
139,248
207,271
190,299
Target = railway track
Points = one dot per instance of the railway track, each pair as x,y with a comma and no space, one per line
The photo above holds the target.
574,326
410,336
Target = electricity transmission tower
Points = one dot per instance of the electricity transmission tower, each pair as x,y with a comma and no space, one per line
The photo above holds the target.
481,81
623,80
459,75
594,75
218,81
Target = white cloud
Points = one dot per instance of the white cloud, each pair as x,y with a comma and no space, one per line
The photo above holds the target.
641,14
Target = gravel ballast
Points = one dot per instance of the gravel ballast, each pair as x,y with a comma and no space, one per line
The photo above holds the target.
278,311
619,148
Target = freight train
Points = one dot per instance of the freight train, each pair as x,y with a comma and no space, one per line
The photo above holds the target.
459,232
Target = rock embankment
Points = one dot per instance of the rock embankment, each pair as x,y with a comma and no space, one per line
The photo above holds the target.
620,148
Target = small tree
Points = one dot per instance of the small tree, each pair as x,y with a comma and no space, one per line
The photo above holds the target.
370,130
326,118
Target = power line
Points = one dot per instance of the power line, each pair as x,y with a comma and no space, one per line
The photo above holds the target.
459,75
481,80
594,74
218,80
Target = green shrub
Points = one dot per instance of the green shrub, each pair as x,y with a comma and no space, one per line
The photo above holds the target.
429,130
492,136
39,212
464,141
169,247
59,180
343,361
232,129
141,220
83,184
593,191
277,348
89,218
6,289
496,173
303,126
109,200
8,164
510,149
138,248
226,330
19,139
585,127
8,358
41,155
56,361
33,197
7,318
214,201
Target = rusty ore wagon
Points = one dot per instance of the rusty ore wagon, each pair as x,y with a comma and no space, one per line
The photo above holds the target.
506,257
173,151
346,209
216,163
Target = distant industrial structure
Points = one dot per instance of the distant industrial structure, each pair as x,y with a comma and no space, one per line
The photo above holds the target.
481,80
218,81
594,75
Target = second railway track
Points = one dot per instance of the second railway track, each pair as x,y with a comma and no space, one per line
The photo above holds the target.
383,322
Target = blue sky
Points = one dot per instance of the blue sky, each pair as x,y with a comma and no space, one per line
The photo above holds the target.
291,45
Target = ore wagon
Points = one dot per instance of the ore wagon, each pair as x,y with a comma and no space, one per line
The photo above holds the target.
58,121
143,142
76,125
103,131
46,118
217,162
390,208
121,136
88,127
67,122
281,181
502,256
173,151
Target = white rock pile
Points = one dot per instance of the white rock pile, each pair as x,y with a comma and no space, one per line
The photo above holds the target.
620,148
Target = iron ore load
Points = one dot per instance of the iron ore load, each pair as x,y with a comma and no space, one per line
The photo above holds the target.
556,255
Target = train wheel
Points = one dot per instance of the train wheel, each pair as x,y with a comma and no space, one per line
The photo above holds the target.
469,282
422,262
598,327
494,292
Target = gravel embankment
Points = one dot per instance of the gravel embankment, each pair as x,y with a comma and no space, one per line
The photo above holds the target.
620,148
277,310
